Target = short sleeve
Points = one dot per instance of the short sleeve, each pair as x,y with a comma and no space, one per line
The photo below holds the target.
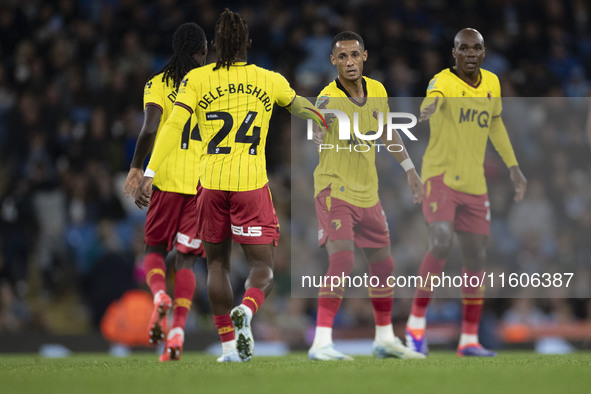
284,94
435,88
187,92
153,92
498,108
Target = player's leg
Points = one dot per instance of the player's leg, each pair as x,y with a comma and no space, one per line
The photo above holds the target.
261,261
155,269
335,224
184,289
472,227
439,212
188,248
256,228
160,229
219,291
473,250
341,258
373,237
213,226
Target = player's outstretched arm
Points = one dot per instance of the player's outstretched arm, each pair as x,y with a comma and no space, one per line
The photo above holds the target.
519,183
428,109
304,109
144,144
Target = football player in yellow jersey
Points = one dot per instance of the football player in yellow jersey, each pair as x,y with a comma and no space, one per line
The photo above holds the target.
233,101
463,107
171,219
347,204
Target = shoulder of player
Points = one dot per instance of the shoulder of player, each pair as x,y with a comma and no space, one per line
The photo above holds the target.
155,80
272,77
489,77
332,90
199,71
375,87
440,81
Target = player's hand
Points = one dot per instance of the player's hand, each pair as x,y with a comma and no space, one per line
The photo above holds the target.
134,177
428,110
416,185
144,192
318,134
519,183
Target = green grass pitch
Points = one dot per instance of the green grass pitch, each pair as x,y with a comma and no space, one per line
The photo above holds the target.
441,372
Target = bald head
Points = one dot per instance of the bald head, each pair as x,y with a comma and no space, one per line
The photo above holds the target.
467,33
468,51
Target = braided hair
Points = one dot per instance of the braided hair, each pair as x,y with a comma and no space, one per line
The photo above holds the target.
187,40
231,34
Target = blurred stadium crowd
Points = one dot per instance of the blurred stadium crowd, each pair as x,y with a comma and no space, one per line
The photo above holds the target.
71,83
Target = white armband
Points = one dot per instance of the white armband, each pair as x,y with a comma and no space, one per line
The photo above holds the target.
149,173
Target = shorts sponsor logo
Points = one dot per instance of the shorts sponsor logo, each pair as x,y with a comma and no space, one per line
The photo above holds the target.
256,231
188,241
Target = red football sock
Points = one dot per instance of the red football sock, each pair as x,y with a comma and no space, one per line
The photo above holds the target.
329,301
431,266
471,302
155,272
225,327
253,298
382,296
184,288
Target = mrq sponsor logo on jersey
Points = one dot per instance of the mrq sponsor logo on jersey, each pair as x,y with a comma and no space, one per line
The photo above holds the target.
359,142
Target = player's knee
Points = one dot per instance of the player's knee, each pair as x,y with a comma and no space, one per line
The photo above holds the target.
440,242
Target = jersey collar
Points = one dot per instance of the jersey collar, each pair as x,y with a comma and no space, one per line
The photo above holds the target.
363,84
454,72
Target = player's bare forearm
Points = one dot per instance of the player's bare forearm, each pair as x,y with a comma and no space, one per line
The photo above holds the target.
143,146
144,192
145,140
519,183
401,154
413,178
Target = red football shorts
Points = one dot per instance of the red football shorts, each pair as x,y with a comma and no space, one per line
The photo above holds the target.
171,220
339,220
469,212
249,217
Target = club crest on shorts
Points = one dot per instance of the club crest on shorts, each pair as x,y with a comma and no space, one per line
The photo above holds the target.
336,224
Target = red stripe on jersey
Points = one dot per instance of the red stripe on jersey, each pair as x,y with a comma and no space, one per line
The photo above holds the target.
185,106
155,105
